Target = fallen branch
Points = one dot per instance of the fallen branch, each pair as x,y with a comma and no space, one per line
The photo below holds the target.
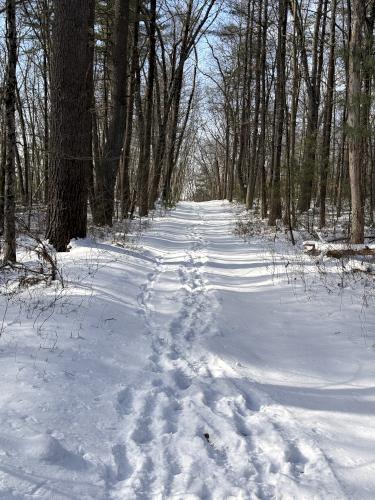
43,251
337,251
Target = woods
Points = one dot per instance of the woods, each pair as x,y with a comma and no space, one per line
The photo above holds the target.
293,112
187,249
104,102
123,105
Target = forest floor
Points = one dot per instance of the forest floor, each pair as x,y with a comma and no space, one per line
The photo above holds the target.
192,366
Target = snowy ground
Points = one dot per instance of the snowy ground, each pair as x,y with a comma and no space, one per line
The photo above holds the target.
189,369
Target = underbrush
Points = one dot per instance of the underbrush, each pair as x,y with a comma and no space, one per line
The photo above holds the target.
353,275
44,285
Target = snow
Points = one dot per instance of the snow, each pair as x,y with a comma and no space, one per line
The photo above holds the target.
192,367
323,246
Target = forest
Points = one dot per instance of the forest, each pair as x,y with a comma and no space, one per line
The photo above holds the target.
120,105
187,249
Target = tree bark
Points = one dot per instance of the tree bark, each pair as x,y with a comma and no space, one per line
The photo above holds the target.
70,141
355,130
275,208
327,125
108,166
10,125
145,152
126,156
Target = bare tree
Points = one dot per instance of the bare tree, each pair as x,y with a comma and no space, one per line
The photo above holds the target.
108,166
275,209
10,143
355,105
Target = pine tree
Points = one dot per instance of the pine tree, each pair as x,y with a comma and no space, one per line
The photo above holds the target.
70,140
10,142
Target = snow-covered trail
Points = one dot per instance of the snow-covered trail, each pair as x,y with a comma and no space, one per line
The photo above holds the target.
198,426
189,370
201,427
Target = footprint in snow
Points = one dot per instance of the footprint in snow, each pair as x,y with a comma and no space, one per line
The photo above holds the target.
125,401
296,458
142,434
182,381
123,467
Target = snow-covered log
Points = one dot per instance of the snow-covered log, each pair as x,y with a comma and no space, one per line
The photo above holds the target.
337,250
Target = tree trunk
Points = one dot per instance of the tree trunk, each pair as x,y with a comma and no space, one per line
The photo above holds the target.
145,153
109,165
126,156
313,82
10,125
70,140
253,167
327,126
275,209
26,160
2,178
354,121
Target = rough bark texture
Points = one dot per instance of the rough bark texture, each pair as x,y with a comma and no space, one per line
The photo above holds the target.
126,155
313,81
354,121
70,141
254,157
108,167
145,156
275,209
2,180
10,125
327,125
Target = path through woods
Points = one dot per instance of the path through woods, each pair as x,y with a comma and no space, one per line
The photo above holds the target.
189,369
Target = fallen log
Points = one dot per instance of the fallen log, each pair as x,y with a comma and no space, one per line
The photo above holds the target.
337,251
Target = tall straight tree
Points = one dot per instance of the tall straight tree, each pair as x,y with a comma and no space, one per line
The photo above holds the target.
275,208
10,141
144,158
327,119
126,159
2,177
355,128
109,165
253,156
312,81
245,100
70,140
